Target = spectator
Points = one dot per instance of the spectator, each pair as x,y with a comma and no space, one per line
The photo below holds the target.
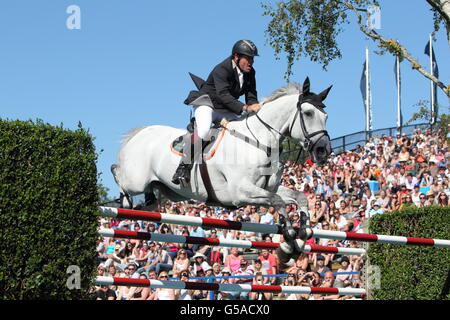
442,200
338,219
233,260
124,290
163,262
415,195
329,282
260,280
139,293
269,263
164,293
184,294
244,270
345,267
319,265
430,199
105,293
180,263
406,202
200,264
258,267
268,217
422,199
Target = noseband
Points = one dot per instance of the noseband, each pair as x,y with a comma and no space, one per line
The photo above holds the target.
308,145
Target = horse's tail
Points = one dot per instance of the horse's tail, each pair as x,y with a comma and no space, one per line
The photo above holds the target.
125,199
115,173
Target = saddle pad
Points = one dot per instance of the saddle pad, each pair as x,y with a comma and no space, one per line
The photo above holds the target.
178,144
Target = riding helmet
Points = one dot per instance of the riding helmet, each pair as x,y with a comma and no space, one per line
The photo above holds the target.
245,47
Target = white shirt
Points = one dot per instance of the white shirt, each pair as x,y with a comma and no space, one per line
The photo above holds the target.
239,72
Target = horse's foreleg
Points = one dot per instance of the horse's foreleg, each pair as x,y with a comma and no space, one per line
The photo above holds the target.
298,198
250,194
290,196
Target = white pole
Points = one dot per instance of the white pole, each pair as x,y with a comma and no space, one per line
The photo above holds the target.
399,124
431,82
367,91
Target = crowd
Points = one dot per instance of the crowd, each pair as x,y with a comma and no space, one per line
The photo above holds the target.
386,174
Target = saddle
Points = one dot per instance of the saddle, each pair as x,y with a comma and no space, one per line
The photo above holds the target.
179,144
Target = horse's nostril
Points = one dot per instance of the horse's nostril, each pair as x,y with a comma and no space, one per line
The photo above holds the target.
321,150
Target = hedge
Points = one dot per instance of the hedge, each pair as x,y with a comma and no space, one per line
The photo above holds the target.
48,211
412,272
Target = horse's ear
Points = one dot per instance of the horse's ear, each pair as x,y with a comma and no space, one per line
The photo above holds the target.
306,86
323,95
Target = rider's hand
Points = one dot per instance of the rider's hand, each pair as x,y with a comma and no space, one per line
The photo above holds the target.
254,107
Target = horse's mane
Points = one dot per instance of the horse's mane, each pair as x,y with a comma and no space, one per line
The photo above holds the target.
289,89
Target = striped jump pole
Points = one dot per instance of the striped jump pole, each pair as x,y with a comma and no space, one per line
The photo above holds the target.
120,213
365,237
225,287
160,237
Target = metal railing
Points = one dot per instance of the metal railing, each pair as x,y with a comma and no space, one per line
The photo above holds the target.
351,141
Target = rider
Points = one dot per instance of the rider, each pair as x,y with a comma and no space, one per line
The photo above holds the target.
217,98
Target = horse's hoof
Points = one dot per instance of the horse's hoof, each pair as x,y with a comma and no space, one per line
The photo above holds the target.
299,245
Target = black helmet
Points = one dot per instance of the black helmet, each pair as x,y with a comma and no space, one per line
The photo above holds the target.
245,47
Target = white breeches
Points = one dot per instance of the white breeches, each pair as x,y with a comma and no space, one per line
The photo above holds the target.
205,116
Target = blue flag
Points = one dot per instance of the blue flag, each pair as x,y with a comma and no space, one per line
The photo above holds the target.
433,59
435,72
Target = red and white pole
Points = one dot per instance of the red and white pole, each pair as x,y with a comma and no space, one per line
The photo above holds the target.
225,287
161,237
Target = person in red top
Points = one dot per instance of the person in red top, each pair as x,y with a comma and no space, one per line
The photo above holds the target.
403,193
269,263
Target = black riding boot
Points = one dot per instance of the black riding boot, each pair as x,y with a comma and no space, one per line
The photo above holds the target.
183,173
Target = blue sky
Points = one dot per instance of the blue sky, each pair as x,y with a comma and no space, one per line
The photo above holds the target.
128,64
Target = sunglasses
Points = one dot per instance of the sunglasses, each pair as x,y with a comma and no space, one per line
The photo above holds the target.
163,277
185,275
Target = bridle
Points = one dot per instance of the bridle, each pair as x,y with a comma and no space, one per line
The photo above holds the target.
308,145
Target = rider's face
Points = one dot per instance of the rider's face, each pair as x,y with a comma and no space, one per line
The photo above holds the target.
245,63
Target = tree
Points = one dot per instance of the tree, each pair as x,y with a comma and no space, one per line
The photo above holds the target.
103,196
310,28
424,114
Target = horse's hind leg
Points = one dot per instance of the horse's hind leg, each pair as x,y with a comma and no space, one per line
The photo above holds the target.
126,201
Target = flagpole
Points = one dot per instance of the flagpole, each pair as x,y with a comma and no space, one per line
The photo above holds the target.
431,81
367,91
399,122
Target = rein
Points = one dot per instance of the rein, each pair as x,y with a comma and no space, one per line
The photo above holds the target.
308,145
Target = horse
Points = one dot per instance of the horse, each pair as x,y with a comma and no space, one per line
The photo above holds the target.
245,168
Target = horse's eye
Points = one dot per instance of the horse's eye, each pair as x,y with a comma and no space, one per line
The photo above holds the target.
308,114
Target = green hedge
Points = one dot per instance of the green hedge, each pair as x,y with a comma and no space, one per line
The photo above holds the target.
412,272
48,210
